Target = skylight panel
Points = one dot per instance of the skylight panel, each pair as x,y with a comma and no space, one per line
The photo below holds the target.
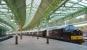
84,1
2,2
68,4
3,10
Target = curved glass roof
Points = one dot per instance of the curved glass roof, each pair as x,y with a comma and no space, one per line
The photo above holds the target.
6,15
66,12
36,13
70,7
31,8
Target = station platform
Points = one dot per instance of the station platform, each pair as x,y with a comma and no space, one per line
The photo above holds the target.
31,43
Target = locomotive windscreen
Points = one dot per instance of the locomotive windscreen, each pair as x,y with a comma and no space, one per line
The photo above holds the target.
70,28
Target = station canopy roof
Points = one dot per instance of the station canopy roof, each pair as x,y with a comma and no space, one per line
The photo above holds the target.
31,14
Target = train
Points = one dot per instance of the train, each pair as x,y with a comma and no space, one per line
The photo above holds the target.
68,33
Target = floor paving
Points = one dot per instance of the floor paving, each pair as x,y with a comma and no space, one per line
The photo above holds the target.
31,43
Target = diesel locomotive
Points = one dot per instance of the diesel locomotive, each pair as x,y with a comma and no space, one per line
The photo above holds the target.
69,33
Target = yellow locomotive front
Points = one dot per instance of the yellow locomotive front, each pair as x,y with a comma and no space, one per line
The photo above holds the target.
77,36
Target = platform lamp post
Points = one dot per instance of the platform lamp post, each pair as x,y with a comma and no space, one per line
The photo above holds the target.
16,39
47,40
38,32
47,31
20,29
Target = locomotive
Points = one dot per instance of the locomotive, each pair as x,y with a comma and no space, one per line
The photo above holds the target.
69,33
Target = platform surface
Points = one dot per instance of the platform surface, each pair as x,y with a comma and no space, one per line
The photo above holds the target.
31,43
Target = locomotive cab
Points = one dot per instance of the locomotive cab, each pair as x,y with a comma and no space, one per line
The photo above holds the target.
74,34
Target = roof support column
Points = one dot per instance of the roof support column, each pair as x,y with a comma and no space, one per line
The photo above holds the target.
16,39
38,32
47,26
20,30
